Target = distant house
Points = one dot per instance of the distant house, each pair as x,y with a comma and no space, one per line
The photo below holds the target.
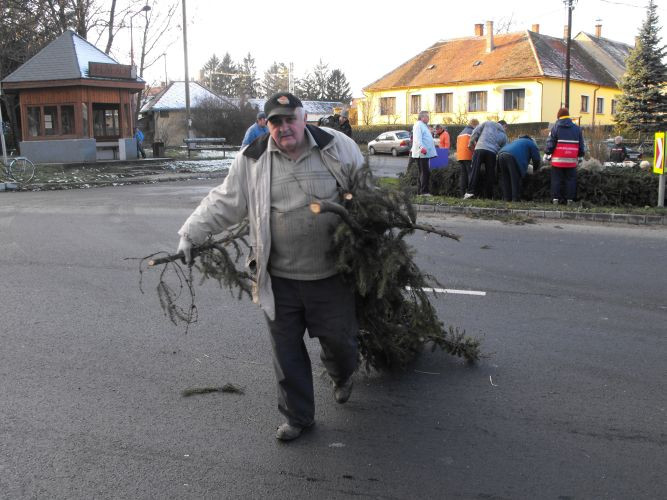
164,114
518,77
74,103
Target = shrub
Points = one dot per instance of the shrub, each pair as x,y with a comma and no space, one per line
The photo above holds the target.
611,186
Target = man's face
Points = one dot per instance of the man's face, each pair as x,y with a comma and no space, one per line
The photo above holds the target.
288,131
262,122
425,118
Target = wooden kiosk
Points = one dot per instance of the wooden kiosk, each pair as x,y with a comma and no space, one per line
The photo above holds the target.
75,104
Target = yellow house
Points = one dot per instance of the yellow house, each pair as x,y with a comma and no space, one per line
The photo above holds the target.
518,77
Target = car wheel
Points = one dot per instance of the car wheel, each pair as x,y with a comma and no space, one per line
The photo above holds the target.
394,152
371,150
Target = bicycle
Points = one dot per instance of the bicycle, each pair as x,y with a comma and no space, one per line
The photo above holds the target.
20,169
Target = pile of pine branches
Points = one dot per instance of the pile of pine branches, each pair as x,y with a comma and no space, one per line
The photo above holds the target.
396,318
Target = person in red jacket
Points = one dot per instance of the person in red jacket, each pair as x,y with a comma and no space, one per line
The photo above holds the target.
566,147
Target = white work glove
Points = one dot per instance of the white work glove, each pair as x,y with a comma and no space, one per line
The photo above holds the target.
546,158
185,248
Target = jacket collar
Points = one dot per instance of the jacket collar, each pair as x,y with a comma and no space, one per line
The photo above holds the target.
258,147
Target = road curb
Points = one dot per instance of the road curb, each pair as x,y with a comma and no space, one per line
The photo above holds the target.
632,219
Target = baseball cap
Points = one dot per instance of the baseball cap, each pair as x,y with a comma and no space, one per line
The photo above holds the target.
282,104
261,115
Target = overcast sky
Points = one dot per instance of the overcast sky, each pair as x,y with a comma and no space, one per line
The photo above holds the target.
367,39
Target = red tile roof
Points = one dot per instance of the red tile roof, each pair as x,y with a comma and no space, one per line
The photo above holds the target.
515,56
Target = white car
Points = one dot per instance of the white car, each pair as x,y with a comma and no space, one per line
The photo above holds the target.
395,142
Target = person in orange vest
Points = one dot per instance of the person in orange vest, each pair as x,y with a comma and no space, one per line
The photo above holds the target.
443,136
464,153
566,147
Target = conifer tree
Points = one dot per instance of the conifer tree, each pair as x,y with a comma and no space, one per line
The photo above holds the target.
247,84
338,88
276,79
643,105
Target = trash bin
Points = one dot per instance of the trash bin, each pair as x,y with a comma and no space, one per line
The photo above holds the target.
158,149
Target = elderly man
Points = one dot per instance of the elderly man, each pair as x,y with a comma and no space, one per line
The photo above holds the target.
256,130
344,123
272,182
423,149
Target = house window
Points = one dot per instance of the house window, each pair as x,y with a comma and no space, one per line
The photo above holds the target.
164,114
50,120
105,121
415,104
34,120
514,99
443,103
584,104
67,120
477,101
387,105
599,105
614,104
84,118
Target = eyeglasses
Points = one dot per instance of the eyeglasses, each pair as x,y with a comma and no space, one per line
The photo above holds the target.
277,121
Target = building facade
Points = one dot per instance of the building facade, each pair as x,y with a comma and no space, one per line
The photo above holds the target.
518,77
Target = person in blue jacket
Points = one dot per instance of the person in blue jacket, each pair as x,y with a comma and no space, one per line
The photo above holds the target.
139,137
256,130
513,160
565,148
423,149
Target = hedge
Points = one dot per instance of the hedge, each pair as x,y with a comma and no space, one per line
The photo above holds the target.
613,186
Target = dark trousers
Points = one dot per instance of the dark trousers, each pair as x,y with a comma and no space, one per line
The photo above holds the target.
563,176
140,150
510,177
424,176
488,159
326,308
465,174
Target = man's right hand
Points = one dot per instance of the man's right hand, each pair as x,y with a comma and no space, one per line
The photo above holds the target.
185,248
422,151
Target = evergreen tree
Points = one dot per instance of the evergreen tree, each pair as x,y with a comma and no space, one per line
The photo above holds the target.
247,84
276,79
208,72
320,77
306,88
643,105
226,76
338,88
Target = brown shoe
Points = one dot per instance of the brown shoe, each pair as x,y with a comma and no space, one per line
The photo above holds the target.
342,392
288,432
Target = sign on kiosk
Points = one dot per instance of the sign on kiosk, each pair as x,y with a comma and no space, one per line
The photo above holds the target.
659,154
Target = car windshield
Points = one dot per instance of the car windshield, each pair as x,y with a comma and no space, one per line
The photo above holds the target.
403,135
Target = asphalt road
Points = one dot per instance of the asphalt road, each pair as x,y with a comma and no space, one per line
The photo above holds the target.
570,402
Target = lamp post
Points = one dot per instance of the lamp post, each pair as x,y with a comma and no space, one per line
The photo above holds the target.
145,8
570,6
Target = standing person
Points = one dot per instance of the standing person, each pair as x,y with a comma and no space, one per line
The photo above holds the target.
423,148
565,145
618,153
443,136
344,123
139,137
487,140
513,161
464,153
256,130
272,182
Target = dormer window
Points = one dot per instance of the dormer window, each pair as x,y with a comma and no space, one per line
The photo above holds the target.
430,66
477,63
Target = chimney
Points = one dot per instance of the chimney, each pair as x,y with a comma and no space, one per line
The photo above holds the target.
565,32
489,36
598,30
536,28
479,30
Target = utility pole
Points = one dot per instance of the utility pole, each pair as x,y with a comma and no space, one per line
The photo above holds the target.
2,133
187,76
570,8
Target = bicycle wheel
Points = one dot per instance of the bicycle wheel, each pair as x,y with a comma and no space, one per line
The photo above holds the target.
21,170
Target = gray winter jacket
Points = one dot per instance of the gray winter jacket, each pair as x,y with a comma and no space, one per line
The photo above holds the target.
246,193
489,136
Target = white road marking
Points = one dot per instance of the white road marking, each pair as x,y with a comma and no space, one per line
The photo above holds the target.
451,290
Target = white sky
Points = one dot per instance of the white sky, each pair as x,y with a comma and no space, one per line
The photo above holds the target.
367,39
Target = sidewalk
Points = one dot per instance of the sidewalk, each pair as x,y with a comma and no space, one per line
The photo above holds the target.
620,218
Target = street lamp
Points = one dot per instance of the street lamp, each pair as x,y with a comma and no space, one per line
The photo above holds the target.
145,8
